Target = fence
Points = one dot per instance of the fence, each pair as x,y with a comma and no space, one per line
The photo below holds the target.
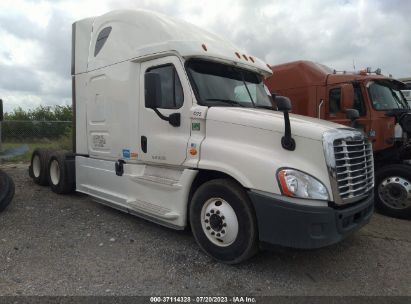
19,138
16,130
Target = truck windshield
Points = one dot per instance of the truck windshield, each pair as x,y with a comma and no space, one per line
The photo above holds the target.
386,96
218,84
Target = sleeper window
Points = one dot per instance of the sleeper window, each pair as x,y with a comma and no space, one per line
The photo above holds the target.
335,101
101,39
172,96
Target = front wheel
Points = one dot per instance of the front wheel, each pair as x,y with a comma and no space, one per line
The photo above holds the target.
223,221
393,191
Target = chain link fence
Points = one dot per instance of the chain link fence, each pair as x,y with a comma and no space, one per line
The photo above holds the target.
19,138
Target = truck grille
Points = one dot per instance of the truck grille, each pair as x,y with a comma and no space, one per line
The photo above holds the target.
350,164
354,167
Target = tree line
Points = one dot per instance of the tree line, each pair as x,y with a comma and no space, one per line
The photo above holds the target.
41,113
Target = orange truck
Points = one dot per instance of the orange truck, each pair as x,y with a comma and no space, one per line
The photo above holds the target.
365,100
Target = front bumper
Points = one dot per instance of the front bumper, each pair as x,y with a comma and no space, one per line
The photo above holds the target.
299,226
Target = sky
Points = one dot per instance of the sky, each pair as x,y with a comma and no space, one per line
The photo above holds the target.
35,36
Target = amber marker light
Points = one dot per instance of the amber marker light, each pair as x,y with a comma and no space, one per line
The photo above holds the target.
193,152
284,187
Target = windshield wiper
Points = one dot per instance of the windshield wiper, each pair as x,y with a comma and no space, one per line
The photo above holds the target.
229,101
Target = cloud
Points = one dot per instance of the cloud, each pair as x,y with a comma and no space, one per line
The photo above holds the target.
36,36
19,26
35,65
20,79
56,41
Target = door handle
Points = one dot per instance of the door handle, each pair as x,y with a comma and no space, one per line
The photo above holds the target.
119,166
144,144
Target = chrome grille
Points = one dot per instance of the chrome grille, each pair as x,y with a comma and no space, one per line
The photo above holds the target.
354,167
350,163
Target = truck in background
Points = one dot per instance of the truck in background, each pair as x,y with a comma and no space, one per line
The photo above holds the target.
174,124
407,90
383,114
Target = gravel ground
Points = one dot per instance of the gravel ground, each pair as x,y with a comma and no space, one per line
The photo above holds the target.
70,245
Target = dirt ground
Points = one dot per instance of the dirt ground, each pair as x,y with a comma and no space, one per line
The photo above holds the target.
70,245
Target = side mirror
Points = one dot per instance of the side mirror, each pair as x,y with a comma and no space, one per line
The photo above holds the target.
352,114
1,110
347,96
152,90
283,103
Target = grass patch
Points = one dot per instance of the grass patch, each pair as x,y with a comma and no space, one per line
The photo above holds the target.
64,143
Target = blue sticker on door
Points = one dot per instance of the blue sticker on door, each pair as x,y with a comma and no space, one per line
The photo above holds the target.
126,153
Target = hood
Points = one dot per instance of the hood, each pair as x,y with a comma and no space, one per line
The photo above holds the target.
265,119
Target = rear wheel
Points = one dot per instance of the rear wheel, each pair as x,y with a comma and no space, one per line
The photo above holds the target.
38,166
6,190
223,221
393,191
59,173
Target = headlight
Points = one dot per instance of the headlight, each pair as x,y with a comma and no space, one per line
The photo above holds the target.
295,183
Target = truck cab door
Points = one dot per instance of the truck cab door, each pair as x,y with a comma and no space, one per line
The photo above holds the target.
359,104
336,110
160,141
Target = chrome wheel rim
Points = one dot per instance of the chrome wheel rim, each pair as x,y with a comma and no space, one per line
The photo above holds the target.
395,192
36,166
219,222
54,172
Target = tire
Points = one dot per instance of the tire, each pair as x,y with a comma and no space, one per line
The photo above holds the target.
215,207
38,166
393,191
59,174
6,190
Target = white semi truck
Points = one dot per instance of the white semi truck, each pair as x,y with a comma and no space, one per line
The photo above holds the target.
174,124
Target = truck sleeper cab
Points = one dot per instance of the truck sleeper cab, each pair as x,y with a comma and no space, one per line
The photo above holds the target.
175,125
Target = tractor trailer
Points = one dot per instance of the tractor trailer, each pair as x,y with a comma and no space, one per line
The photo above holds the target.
174,124
380,111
